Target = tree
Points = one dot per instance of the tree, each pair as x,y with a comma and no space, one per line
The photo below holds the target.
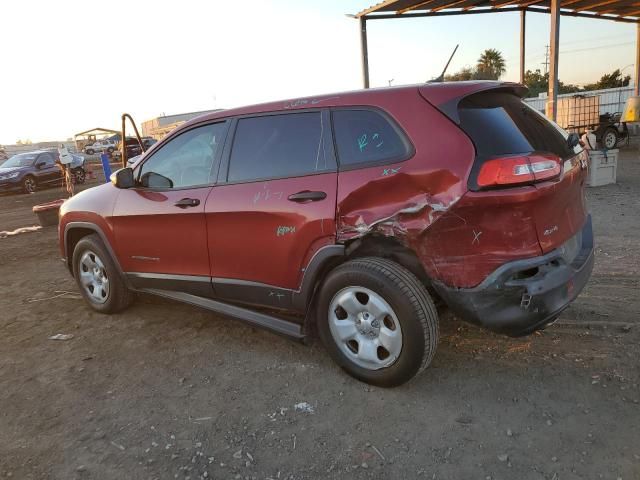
491,65
610,80
538,82
467,73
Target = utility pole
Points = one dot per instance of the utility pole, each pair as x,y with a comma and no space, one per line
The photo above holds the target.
546,59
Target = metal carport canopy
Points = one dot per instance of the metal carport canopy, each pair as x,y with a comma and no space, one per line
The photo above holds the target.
616,10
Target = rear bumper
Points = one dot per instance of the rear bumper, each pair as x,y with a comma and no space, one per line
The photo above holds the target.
526,295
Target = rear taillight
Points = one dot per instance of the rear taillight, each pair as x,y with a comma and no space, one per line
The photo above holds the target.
507,171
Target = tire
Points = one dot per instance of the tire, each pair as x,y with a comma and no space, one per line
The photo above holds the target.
90,152
610,138
110,150
110,296
79,176
29,184
393,306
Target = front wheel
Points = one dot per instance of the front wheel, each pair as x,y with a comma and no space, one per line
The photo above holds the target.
377,321
98,278
29,184
90,152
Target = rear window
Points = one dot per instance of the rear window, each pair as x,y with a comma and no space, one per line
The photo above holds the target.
365,137
502,124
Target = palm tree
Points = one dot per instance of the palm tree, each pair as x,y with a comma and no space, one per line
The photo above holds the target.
491,64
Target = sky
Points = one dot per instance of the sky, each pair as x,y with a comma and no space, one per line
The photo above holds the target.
65,68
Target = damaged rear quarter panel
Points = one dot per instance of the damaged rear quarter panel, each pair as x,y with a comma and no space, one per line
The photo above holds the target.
405,199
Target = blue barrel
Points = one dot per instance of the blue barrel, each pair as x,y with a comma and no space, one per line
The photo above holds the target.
106,168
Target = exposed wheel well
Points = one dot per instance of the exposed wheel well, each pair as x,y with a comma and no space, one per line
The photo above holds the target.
390,248
73,236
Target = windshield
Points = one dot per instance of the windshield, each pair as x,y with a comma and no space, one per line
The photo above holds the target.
20,160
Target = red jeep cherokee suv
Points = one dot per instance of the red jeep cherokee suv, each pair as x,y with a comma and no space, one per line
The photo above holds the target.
349,213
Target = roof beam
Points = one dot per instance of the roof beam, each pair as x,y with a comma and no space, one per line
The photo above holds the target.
618,8
451,5
415,7
375,8
591,6
507,2
566,3
510,8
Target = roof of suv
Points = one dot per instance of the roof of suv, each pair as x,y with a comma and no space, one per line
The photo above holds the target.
436,93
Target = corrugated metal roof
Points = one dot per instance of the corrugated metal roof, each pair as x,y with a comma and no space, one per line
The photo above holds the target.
625,10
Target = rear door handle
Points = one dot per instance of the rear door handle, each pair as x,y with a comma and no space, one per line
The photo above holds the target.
307,196
187,202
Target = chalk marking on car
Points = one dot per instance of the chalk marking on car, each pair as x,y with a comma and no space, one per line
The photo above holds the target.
283,230
148,259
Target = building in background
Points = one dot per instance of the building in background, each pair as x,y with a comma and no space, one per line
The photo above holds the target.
158,127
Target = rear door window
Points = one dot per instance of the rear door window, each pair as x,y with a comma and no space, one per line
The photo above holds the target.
278,146
47,159
366,137
502,124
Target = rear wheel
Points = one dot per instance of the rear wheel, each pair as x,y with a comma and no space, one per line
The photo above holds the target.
79,176
610,138
29,184
98,278
90,151
377,321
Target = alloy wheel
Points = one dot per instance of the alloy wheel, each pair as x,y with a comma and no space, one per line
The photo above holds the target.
365,328
29,185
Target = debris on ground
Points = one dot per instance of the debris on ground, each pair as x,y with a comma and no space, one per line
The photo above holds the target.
17,231
61,336
304,407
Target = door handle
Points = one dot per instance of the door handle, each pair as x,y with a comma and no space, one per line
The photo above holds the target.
187,202
307,196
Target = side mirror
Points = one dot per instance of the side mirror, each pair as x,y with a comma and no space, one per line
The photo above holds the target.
123,178
39,165
573,139
155,180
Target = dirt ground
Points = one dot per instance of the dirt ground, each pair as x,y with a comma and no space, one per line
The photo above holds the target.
165,390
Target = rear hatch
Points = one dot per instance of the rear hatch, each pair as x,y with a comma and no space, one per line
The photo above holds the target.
517,146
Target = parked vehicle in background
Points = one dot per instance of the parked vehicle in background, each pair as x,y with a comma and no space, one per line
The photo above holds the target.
100,146
3,154
611,130
133,147
345,214
78,166
32,170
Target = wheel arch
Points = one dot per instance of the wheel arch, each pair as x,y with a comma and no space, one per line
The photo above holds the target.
372,245
76,231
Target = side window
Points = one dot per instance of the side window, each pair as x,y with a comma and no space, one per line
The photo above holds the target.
278,146
365,136
46,158
186,160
